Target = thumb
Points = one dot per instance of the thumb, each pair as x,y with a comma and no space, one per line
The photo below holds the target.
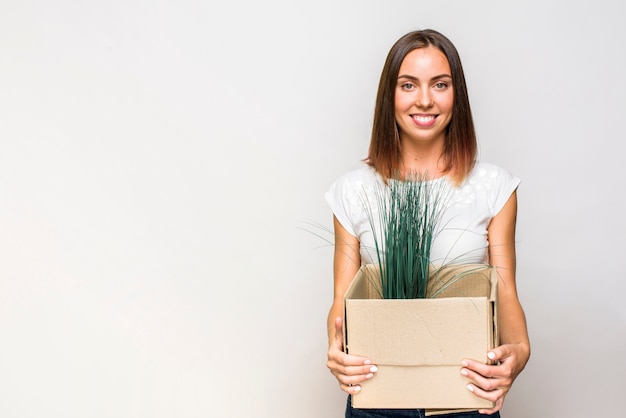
499,354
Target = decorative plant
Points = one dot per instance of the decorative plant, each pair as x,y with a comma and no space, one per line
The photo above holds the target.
409,212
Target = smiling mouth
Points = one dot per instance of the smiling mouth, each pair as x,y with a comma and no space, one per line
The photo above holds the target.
424,120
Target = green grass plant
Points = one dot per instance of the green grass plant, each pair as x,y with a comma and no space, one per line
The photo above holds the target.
409,212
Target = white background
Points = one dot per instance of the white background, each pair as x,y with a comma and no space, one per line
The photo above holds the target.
162,170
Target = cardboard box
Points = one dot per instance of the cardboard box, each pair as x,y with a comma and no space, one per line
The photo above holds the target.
418,344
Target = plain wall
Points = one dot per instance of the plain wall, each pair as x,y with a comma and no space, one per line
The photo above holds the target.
162,171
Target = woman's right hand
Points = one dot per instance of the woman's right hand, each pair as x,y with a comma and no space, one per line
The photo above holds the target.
348,370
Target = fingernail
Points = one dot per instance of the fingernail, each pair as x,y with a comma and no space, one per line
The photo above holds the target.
464,363
356,388
369,375
464,372
470,388
373,369
367,362
491,355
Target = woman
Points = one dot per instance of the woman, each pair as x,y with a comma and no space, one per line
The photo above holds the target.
423,124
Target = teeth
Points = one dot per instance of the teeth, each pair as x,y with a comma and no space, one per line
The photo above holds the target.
424,119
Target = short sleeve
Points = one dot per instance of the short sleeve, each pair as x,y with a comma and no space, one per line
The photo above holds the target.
338,200
504,184
347,195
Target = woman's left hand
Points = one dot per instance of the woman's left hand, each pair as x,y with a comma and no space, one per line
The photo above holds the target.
493,381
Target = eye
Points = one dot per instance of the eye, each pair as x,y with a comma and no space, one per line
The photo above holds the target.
441,85
407,86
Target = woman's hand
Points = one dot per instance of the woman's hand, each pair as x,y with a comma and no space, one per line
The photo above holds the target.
349,370
493,381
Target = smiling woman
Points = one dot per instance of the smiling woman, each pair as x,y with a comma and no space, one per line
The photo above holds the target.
423,125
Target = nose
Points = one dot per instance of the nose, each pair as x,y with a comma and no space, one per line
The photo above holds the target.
424,98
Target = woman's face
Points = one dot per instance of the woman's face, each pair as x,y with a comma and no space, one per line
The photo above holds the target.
424,96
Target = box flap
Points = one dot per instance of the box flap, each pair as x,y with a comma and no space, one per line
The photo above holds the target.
462,280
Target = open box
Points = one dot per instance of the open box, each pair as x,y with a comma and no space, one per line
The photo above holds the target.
418,344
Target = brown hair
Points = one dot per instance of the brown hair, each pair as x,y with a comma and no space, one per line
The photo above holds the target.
460,145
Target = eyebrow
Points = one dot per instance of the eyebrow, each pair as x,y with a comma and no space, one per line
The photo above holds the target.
437,77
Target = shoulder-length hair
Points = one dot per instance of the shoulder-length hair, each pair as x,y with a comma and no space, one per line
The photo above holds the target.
460,144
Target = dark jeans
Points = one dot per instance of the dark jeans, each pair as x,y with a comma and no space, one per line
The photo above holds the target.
406,413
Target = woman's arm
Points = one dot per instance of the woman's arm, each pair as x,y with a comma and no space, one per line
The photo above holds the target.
349,370
494,381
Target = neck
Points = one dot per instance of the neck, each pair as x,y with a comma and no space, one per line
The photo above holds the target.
425,159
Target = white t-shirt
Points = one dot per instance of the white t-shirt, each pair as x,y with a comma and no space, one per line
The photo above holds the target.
462,233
